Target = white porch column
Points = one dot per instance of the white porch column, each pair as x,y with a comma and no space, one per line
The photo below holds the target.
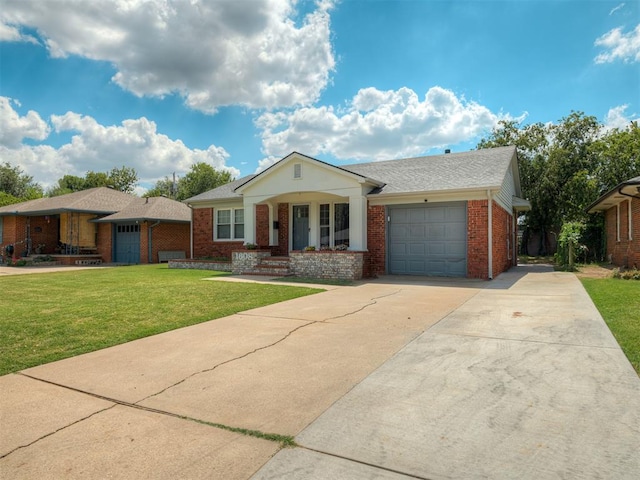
357,223
249,221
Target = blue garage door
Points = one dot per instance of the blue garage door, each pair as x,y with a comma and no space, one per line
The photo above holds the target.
428,239
128,243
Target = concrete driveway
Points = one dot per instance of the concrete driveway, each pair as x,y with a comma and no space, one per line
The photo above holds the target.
396,378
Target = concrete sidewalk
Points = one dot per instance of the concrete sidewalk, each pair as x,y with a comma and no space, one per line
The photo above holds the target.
524,380
149,408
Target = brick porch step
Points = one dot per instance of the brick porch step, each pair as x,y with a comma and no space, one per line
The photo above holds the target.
269,270
277,266
275,262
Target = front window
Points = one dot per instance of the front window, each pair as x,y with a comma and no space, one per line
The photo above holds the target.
238,223
334,225
341,224
325,226
229,224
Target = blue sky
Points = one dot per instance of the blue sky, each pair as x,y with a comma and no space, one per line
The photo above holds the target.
239,84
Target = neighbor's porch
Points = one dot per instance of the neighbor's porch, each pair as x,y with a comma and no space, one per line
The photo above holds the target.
65,237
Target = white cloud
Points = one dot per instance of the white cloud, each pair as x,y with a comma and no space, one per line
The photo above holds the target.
225,52
617,118
14,128
377,125
11,33
616,8
619,46
134,143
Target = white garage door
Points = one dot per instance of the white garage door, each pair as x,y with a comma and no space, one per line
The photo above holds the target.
428,239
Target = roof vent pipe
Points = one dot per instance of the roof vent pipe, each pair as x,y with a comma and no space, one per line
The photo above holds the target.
448,150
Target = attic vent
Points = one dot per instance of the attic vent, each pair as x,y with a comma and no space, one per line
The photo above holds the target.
297,170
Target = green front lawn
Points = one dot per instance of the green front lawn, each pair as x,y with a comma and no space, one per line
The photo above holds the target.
50,316
619,304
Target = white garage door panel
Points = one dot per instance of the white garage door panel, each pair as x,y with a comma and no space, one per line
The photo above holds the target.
428,239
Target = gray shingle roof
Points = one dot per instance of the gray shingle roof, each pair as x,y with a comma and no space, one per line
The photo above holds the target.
476,169
453,171
152,209
225,191
93,200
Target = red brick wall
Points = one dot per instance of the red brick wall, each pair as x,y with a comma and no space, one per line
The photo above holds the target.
11,230
14,232
624,253
477,239
203,244
166,236
262,226
502,240
375,260
44,231
283,230
104,242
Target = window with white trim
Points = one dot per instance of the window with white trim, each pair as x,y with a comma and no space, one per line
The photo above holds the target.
229,224
341,224
325,225
334,225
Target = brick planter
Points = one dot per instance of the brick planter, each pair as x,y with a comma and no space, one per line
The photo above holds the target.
217,265
246,261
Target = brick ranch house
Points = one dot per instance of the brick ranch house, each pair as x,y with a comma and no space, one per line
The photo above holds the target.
621,209
96,225
445,215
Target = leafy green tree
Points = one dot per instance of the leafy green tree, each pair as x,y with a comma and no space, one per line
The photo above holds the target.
16,186
163,187
558,170
200,178
95,179
66,184
124,179
618,152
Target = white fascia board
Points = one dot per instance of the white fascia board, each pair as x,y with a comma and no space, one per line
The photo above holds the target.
296,157
222,203
430,197
515,170
608,202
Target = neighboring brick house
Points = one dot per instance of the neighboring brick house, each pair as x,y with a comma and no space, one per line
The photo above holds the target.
446,215
98,224
621,209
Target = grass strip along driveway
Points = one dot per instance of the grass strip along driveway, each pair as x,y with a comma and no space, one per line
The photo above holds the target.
47,317
619,304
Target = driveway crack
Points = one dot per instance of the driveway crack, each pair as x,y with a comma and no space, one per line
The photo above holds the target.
210,369
20,447
372,302
264,347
